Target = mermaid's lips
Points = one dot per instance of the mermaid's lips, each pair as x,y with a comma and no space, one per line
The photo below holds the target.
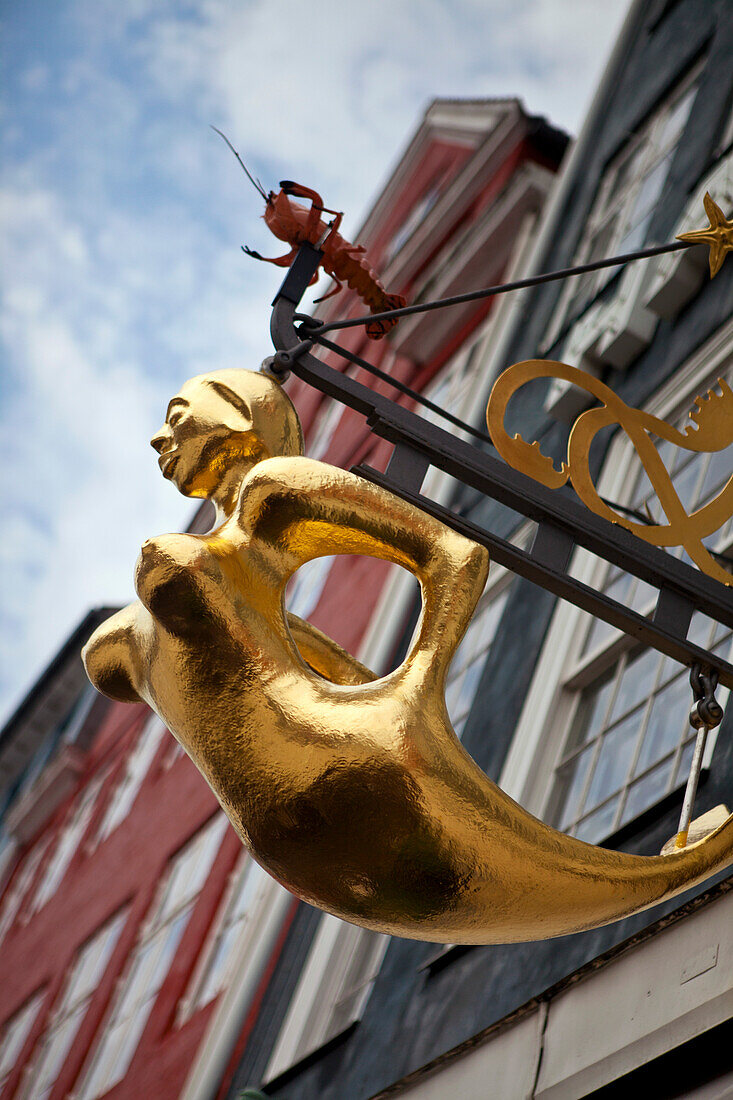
166,462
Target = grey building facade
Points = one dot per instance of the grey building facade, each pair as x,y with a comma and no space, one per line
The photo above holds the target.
585,730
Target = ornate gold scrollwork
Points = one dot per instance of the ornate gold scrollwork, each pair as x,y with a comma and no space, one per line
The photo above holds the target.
711,430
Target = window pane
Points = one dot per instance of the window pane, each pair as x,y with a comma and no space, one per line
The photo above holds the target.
718,472
470,658
650,190
683,768
645,596
637,682
614,760
591,714
67,1017
153,956
573,775
667,720
138,763
646,791
15,1033
598,825
687,482
675,121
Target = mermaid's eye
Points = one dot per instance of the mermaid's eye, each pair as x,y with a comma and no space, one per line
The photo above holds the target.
174,418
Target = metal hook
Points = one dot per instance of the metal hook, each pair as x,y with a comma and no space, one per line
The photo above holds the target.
706,713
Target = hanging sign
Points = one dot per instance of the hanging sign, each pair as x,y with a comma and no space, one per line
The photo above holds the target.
351,790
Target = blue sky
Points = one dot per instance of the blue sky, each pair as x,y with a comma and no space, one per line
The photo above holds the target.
121,216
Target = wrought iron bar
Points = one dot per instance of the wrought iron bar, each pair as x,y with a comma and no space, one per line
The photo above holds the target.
563,522
417,397
317,329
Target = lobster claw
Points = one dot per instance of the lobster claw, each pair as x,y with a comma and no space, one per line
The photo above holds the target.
251,252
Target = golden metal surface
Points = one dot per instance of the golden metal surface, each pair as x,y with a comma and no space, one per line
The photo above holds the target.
711,430
718,235
354,792
698,829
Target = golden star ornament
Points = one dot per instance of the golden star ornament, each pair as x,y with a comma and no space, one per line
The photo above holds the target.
718,235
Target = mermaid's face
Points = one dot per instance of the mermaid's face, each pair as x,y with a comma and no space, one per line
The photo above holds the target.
201,440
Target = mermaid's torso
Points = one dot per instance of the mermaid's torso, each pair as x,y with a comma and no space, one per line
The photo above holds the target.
309,772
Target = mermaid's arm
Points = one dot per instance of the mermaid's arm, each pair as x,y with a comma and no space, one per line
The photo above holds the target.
325,656
298,509
109,656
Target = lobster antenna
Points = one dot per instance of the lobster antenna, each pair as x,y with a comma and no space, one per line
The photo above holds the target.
250,177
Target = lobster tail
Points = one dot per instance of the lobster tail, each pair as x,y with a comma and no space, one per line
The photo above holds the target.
375,330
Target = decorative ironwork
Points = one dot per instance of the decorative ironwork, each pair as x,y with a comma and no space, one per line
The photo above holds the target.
711,430
718,235
352,790
563,523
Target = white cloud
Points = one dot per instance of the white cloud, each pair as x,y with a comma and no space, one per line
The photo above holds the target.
121,214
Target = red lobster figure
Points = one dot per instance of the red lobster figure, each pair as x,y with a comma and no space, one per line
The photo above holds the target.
344,262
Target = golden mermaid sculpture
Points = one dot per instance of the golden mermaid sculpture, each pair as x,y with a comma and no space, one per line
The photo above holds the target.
353,791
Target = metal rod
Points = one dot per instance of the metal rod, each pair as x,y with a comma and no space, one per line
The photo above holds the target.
691,790
418,398
500,288
480,470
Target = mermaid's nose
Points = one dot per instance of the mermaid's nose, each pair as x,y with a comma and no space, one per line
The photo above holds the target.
160,439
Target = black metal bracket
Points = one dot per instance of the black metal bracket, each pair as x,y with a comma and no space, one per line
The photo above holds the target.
563,523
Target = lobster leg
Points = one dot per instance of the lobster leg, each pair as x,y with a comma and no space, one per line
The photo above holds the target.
279,261
338,287
302,192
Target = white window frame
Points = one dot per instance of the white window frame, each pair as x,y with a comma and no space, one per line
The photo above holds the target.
67,1017
646,145
259,885
18,887
68,842
15,1032
139,761
106,1067
331,994
529,771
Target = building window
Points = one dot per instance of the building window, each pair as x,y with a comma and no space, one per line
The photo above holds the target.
239,909
84,979
468,663
307,586
626,200
68,843
138,763
325,423
19,885
332,992
151,960
630,741
413,220
14,1035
